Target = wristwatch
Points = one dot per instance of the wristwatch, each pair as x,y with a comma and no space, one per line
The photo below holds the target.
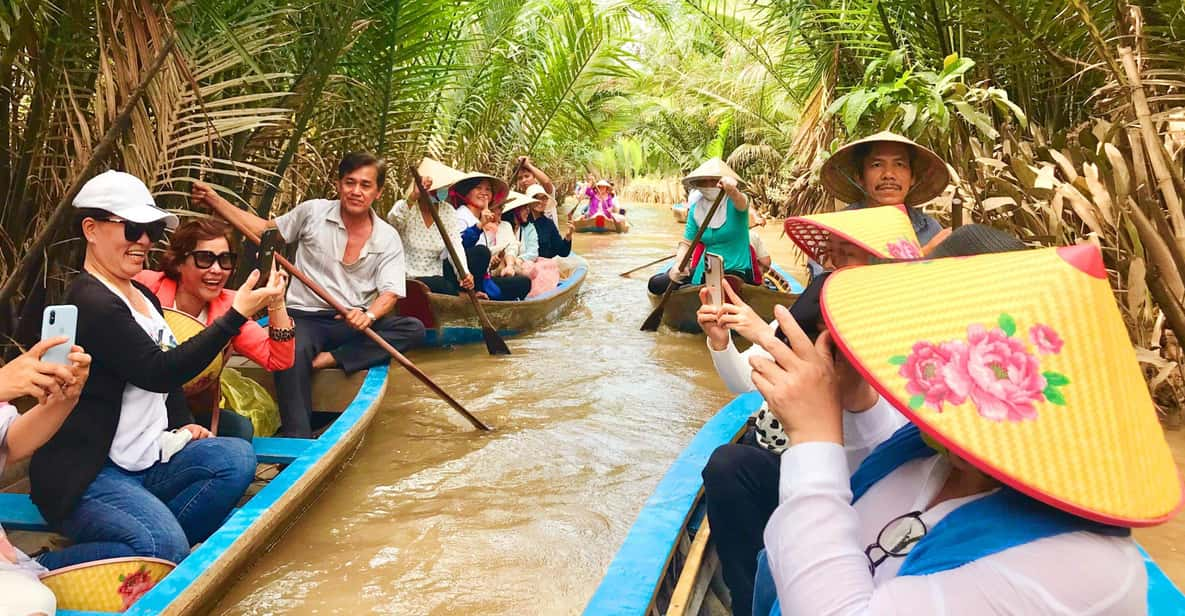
370,315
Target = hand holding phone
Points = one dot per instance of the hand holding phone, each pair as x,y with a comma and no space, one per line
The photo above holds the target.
714,277
59,321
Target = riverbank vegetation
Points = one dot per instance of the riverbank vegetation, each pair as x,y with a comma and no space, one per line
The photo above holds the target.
1064,121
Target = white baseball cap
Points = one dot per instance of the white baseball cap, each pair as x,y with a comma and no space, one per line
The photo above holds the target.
123,195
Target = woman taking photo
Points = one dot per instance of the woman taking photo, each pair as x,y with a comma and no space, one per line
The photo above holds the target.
194,271
129,473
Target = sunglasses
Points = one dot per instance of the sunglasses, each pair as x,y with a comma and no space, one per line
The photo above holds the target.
133,231
204,259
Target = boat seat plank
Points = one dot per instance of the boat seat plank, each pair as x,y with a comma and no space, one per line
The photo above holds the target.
279,450
17,512
693,582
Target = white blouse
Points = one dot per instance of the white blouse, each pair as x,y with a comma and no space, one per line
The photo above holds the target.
423,248
816,540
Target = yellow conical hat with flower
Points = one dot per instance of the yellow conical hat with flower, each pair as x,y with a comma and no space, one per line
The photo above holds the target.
1026,372
185,327
884,232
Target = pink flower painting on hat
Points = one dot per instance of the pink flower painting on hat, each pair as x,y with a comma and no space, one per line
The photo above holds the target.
903,249
991,368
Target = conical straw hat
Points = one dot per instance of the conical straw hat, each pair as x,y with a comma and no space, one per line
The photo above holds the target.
515,200
712,169
884,232
108,585
185,327
443,176
840,175
464,183
1026,372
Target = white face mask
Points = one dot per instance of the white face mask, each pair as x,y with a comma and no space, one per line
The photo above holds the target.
709,193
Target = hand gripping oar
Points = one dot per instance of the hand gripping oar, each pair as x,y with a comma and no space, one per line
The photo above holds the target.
494,343
660,260
652,321
370,333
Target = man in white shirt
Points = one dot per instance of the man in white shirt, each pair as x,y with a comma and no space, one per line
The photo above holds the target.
354,255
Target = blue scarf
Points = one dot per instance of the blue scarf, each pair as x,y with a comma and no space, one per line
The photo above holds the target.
985,526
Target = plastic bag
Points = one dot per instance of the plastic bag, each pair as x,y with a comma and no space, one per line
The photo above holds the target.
250,400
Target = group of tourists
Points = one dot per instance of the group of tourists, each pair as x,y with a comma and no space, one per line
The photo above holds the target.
124,459
990,458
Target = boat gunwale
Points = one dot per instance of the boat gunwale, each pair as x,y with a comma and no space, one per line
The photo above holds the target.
221,555
632,580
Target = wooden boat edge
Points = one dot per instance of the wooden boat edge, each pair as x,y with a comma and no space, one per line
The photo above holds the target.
187,589
631,581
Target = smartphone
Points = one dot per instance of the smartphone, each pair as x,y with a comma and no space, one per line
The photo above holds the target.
268,243
59,321
714,277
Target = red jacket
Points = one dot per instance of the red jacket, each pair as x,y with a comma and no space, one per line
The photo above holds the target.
252,341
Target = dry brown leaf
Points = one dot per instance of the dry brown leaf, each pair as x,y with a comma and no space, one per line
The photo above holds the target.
1137,287
1099,193
1121,172
1065,164
1081,206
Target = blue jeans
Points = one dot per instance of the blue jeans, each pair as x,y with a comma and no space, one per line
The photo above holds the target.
160,511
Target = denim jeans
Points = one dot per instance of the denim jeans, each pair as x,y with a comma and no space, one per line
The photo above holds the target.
160,511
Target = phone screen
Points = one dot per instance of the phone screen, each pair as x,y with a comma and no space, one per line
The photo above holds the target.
714,277
59,321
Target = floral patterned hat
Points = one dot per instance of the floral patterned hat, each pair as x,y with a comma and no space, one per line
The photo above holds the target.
885,232
1026,372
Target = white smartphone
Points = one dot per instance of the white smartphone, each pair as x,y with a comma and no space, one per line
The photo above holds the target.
59,321
714,277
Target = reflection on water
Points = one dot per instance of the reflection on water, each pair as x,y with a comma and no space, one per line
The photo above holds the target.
433,518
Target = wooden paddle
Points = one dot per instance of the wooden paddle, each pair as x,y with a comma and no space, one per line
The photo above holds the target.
370,333
652,321
660,260
494,343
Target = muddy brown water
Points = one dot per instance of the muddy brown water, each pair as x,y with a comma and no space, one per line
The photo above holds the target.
430,517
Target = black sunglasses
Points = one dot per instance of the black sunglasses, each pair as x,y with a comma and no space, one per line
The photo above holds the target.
205,259
133,231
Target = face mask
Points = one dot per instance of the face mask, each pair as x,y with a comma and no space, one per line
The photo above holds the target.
709,194
442,194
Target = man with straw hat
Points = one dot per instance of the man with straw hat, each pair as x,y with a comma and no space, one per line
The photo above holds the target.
888,169
1032,445
741,479
726,234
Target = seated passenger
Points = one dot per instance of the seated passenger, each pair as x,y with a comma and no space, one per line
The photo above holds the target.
130,473
1032,448
600,201
483,236
726,234
740,480
544,273
56,388
427,257
358,259
551,243
194,270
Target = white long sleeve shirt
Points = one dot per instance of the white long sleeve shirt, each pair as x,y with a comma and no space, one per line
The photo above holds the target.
816,538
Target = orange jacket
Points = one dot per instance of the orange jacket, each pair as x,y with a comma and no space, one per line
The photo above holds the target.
253,341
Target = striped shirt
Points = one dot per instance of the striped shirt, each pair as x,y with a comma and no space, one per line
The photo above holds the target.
321,238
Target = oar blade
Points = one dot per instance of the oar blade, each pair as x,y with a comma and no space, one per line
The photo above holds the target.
655,319
494,342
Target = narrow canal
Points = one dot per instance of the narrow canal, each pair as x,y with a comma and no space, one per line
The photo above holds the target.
432,518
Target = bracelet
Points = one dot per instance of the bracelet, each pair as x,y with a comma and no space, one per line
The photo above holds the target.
282,334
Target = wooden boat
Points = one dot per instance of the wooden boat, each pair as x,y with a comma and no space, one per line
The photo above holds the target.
668,564
304,465
680,212
683,303
450,320
600,224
